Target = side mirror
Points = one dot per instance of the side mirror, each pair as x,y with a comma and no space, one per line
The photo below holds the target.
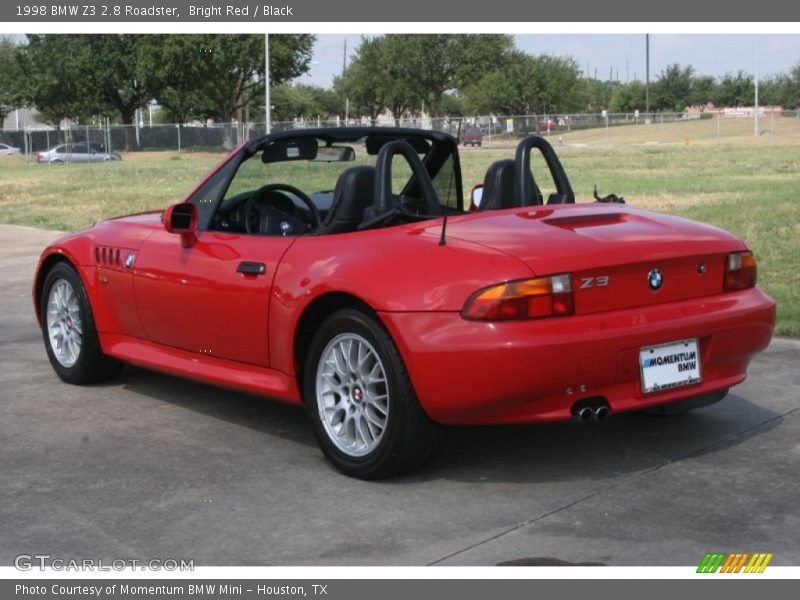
182,219
476,197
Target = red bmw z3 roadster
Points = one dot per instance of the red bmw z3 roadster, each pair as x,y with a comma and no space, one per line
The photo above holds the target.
337,268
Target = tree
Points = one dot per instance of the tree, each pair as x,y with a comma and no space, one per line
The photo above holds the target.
735,90
783,89
360,84
54,77
527,85
114,72
289,56
220,75
295,101
9,78
400,72
672,90
791,93
398,84
78,76
453,105
702,90
628,97
381,76
167,63
446,62
595,94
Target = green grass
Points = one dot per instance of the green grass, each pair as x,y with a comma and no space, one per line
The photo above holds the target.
752,190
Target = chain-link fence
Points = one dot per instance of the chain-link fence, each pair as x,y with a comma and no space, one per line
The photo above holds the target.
494,131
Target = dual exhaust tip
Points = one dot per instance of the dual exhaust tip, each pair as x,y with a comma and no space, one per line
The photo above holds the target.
588,410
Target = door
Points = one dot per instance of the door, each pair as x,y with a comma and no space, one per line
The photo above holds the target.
79,153
198,299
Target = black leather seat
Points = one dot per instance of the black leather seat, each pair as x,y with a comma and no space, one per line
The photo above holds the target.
354,192
498,187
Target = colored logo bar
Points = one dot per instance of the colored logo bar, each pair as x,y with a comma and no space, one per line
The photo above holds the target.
736,562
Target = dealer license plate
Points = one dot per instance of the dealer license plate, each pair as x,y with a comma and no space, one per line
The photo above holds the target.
669,365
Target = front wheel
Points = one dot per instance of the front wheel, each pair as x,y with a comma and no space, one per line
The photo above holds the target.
362,406
70,336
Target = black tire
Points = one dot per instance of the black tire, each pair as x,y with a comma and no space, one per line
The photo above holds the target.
91,365
408,439
682,407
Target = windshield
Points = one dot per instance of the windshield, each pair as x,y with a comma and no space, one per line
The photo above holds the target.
314,177
288,185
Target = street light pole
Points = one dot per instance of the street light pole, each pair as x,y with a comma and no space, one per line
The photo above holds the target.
647,73
756,107
268,113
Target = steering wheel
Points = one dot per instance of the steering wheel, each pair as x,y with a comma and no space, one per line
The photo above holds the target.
250,205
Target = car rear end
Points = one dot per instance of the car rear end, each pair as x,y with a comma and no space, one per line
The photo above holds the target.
625,310
472,137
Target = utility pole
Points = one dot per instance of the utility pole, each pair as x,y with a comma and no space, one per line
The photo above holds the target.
268,113
647,71
344,68
756,107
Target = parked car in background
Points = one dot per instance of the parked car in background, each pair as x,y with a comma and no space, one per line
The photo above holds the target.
82,152
472,136
6,150
548,125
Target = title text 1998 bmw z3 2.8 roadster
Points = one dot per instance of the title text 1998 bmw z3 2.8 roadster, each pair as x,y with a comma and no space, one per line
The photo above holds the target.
337,268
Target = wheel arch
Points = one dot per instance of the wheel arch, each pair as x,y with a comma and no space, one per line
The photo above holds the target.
319,309
45,266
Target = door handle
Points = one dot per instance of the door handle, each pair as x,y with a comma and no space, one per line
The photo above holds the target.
251,268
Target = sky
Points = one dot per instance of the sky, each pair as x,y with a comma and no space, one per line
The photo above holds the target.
711,54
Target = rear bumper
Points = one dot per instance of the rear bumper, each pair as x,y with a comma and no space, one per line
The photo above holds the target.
532,371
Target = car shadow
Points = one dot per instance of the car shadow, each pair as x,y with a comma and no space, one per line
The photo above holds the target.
622,444
554,452
264,415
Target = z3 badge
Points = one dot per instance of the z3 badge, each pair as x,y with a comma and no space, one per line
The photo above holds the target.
590,282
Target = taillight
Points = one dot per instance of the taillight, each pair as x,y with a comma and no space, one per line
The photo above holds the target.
40,156
522,299
740,271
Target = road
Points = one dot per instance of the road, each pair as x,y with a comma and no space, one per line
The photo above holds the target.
151,466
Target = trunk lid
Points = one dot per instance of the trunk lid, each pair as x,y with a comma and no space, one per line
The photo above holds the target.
610,251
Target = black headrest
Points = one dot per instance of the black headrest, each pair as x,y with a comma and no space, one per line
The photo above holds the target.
353,193
498,186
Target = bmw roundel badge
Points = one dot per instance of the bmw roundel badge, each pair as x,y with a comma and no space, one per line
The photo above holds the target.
655,279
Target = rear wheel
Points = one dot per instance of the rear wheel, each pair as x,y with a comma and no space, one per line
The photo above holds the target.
362,406
69,332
